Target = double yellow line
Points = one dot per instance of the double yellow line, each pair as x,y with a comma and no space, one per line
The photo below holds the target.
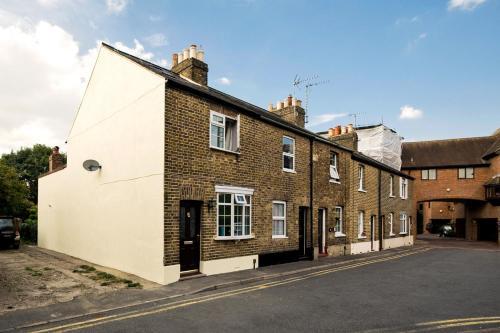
462,322
212,297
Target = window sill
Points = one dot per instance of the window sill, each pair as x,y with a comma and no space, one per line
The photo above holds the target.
361,190
392,234
289,171
279,237
339,234
334,181
403,233
392,196
361,237
237,152
223,238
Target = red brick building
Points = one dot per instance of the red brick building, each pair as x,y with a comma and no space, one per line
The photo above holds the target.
456,182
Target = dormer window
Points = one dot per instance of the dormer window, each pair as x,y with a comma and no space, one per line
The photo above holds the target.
224,132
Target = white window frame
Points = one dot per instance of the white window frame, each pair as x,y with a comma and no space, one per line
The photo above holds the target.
466,174
334,168
391,224
339,233
391,186
292,155
361,176
223,126
403,188
279,218
233,190
403,223
361,224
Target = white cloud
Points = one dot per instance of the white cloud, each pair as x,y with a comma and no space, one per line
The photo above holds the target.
155,18
116,6
464,4
409,112
47,3
402,20
43,75
325,118
156,40
224,81
412,44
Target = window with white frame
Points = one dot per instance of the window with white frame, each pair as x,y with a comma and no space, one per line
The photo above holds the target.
234,215
391,186
334,169
465,173
288,154
224,132
391,224
279,219
403,188
429,174
361,176
403,227
361,224
339,222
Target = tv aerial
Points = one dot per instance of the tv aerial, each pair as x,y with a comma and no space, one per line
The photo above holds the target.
307,83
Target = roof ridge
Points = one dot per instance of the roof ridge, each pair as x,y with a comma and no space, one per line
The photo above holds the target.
452,139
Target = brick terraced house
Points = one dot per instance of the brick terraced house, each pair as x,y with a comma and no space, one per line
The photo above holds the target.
457,183
181,178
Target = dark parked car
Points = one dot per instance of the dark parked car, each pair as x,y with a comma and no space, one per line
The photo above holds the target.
9,232
446,231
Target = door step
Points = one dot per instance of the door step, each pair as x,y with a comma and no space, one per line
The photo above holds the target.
189,275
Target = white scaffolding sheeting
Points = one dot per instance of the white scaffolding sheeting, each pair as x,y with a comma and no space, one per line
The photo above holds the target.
382,144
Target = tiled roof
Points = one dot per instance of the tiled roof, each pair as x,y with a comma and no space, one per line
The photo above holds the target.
447,153
248,107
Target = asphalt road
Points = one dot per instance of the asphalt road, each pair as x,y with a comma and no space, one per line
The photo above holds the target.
445,290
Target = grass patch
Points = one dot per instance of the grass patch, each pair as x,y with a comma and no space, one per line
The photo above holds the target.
105,279
32,271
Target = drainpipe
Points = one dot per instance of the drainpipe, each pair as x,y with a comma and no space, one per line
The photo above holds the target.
311,189
380,231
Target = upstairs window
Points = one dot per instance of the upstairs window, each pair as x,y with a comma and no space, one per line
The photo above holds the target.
288,154
403,188
334,170
279,219
224,132
465,173
391,186
361,176
429,174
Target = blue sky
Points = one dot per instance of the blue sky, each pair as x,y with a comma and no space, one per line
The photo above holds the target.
435,61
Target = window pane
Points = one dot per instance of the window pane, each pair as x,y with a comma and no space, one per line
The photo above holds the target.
217,136
279,209
247,221
461,173
425,174
217,119
469,172
432,174
231,135
278,227
238,220
288,162
288,145
333,159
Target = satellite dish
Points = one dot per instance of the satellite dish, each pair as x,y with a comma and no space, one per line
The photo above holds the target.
91,165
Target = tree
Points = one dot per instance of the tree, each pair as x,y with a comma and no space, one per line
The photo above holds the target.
30,163
13,193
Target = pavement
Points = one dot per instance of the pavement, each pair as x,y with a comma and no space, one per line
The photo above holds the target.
393,289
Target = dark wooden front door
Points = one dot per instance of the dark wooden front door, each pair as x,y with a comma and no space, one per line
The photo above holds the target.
321,230
189,230
302,231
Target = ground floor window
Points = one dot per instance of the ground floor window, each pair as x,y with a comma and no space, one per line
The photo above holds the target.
391,224
361,221
403,229
234,217
339,222
279,219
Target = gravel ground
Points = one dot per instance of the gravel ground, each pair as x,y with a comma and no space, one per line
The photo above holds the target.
33,277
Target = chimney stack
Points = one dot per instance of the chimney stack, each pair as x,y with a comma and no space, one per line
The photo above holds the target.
290,109
56,160
190,64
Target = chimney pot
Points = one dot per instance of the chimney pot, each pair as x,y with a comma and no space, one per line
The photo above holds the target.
175,59
200,55
299,103
192,51
55,159
337,130
180,57
270,108
289,100
331,132
350,128
185,54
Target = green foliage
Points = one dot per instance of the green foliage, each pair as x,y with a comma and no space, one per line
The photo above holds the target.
30,163
13,192
29,228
